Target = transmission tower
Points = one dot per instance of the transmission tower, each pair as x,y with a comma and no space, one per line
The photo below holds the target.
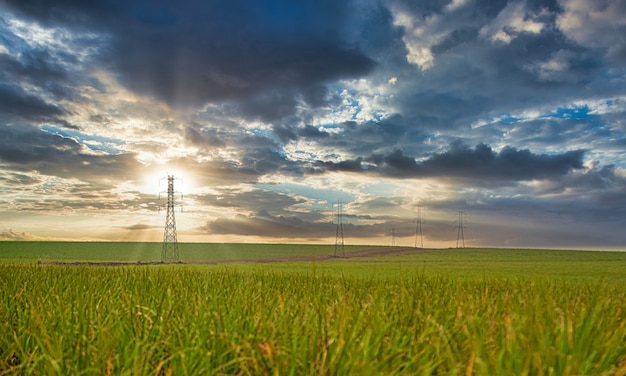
393,237
419,236
339,243
460,235
169,252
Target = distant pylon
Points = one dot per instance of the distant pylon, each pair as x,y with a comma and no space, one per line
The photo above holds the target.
419,236
460,235
169,252
393,237
339,243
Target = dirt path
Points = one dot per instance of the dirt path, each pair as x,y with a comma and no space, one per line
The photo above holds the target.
364,253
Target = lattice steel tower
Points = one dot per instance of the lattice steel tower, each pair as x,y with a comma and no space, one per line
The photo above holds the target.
419,236
460,235
169,251
339,235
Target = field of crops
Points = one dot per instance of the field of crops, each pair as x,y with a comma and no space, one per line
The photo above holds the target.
151,252
458,312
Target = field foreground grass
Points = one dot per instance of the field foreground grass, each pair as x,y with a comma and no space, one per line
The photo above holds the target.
190,320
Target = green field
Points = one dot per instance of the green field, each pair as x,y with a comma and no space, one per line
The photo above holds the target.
444,312
151,252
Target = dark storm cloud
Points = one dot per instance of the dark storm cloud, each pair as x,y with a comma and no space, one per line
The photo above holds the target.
362,138
593,193
201,137
15,101
285,226
254,200
461,161
262,153
263,54
36,66
31,148
474,76
47,66
274,212
508,164
289,133
262,224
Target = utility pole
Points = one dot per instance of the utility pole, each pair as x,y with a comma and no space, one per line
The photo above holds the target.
169,252
460,235
419,236
339,243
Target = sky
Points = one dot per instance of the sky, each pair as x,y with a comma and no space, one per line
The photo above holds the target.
505,118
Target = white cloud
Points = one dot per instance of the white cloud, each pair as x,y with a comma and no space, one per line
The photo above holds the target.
599,23
456,4
58,41
421,33
417,38
556,68
17,235
513,20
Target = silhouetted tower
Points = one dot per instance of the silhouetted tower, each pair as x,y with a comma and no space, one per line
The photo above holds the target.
339,243
460,235
419,236
393,237
169,251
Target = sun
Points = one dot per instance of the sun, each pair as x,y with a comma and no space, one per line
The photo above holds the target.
154,180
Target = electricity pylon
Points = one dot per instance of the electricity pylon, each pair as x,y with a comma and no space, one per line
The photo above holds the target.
339,243
460,235
419,236
169,252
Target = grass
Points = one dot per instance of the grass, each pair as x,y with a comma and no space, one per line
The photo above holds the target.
150,252
447,312
471,264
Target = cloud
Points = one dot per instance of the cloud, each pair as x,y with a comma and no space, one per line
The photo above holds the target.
430,29
10,235
597,24
15,101
202,137
278,107
261,56
262,223
422,30
139,227
18,180
460,161
293,227
510,22
254,200
599,189
50,154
